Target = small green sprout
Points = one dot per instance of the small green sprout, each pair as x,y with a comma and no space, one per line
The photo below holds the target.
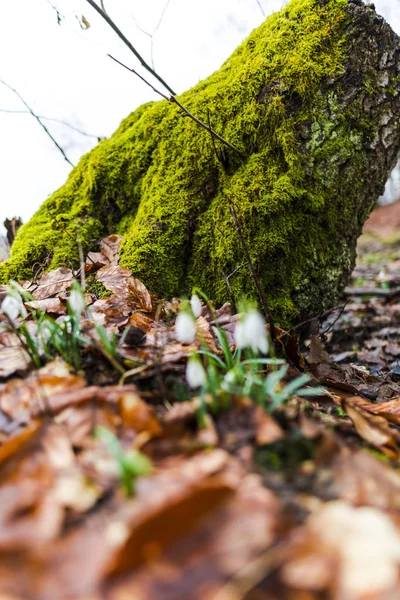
242,372
63,337
131,464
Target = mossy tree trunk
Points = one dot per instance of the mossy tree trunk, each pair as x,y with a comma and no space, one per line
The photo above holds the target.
312,100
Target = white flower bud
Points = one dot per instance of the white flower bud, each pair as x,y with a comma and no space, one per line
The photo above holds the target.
196,305
185,328
250,332
195,373
12,306
76,301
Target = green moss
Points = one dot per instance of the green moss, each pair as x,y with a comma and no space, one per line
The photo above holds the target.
93,286
157,180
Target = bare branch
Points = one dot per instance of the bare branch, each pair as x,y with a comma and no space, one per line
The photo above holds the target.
183,108
261,8
38,119
60,121
129,45
151,35
59,15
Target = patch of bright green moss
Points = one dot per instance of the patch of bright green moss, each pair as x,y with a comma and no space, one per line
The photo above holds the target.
157,180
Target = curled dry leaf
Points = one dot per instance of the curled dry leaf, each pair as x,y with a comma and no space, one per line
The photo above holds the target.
140,321
373,429
129,293
205,335
139,295
390,410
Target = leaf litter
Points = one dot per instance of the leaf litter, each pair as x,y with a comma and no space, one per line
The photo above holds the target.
302,503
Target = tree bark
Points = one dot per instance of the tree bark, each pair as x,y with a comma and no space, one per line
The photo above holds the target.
312,101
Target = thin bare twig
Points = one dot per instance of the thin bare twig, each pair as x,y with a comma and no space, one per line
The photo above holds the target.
60,121
183,108
59,15
38,119
228,285
151,35
144,64
261,8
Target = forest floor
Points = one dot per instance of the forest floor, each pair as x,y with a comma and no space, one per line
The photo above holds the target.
299,503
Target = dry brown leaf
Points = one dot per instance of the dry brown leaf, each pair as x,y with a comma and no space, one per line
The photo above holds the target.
52,283
140,321
138,415
94,261
110,248
363,479
114,278
390,410
372,428
205,335
54,306
199,564
268,431
13,359
36,394
139,295
348,552
317,354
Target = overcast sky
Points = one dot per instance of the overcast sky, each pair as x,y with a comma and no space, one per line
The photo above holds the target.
62,72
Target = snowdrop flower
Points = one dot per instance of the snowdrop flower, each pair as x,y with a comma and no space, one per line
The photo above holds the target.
196,305
12,306
250,332
185,328
76,301
195,373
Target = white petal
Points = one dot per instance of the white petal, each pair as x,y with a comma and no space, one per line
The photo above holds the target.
12,307
256,334
240,335
185,328
196,305
76,302
195,373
